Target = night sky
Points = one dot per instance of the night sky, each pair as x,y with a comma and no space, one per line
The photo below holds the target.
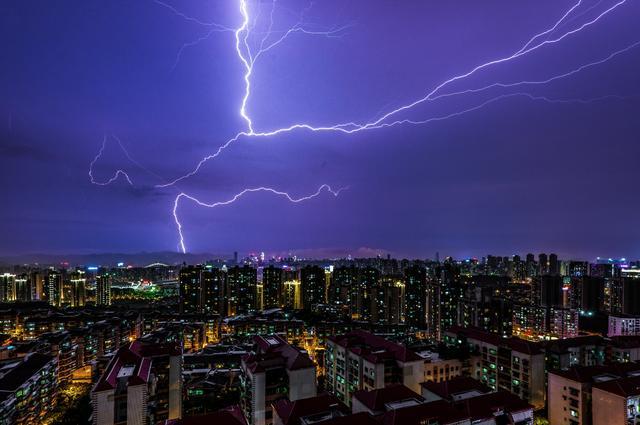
520,174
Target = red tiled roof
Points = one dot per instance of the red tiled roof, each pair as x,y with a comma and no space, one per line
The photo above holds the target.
456,385
375,400
374,348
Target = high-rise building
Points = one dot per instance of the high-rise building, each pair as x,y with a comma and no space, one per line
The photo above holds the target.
578,268
547,291
631,295
613,295
554,265
360,360
78,292
23,287
190,288
7,287
104,280
343,285
291,295
54,288
363,297
518,269
313,282
415,281
274,370
212,293
443,299
28,389
271,286
510,364
38,286
531,266
241,290
142,384
543,263
573,397
388,301
592,293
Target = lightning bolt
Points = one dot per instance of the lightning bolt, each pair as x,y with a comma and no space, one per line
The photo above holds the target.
351,127
115,176
239,195
248,57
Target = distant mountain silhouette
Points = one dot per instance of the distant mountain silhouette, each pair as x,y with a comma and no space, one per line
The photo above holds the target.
111,259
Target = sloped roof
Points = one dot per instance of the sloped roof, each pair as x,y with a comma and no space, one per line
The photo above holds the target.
274,351
125,356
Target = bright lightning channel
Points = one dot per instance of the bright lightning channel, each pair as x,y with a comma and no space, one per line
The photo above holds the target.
115,176
287,196
242,34
248,59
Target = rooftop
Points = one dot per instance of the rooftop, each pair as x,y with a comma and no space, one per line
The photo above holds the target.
456,388
591,374
514,343
230,416
127,364
487,406
626,387
374,348
377,400
292,412
20,371
273,351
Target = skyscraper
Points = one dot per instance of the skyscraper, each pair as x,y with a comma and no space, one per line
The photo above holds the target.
312,279
271,286
54,288
241,290
543,263
23,287
415,279
103,287
7,287
362,293
554,265
190,288
291,295
343,285
211,298
78,288
631,295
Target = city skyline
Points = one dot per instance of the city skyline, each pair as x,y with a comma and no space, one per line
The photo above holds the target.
535,153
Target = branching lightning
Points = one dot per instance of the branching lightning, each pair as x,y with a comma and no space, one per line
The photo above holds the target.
115,176
287,196
248,56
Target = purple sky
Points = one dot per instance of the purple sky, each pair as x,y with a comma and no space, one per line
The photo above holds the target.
515,176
